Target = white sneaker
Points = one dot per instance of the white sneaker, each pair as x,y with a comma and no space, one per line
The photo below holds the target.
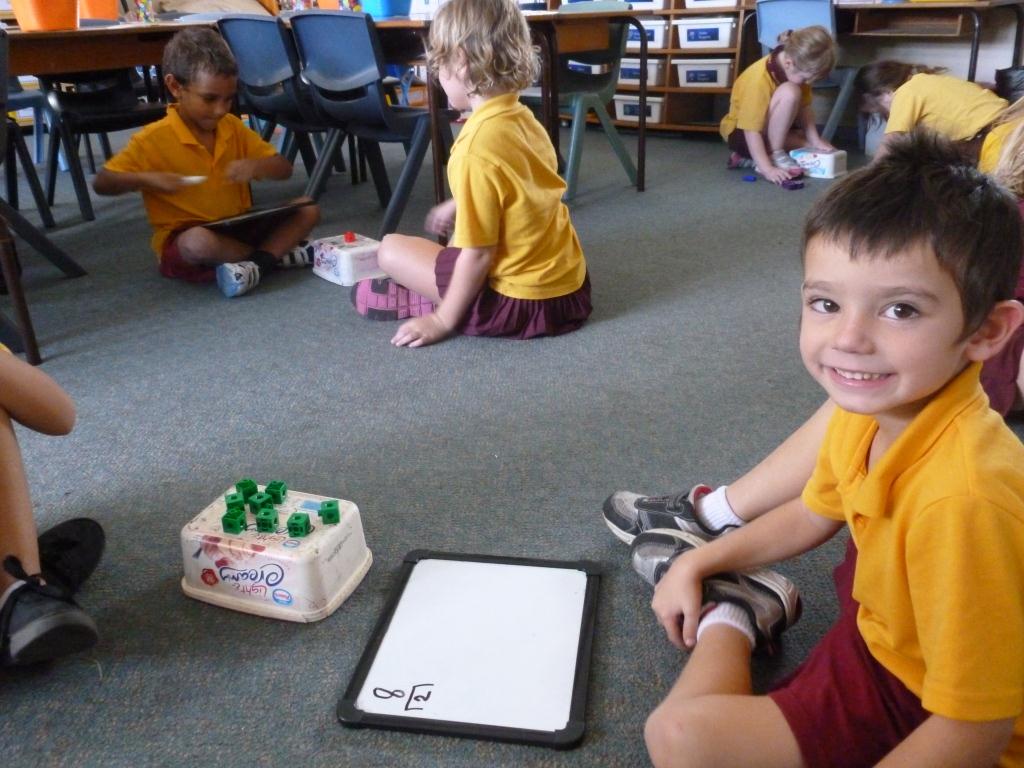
238,278
299,256
781,159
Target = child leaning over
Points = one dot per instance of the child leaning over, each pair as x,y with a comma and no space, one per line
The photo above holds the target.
517,269
909,268
39,618
199,138
770,107
913,96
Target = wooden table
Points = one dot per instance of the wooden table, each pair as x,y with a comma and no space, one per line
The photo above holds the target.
128,45
928,19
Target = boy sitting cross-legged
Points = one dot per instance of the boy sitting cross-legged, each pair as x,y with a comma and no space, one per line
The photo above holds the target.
195,166
909,271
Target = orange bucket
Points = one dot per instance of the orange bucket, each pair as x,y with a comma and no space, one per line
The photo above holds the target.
328,4
35,15
97,9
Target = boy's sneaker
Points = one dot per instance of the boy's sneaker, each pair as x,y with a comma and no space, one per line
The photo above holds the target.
770,600
781,159
736,161
70,551
299,256
627,514
238,278
41,622
384,299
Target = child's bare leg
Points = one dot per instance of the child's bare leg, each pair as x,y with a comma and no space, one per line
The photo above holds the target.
17,525
410,261
782,111
291,231
204,247
696,724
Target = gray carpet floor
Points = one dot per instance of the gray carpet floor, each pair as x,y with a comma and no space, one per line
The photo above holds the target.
688,371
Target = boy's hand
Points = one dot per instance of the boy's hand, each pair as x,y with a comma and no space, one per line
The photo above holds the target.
441,218
678,601
241,171
421,331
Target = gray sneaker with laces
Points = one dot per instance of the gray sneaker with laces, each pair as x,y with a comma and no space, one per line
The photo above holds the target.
770,600
627,514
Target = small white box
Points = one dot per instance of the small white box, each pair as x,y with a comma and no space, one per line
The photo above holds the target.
704,73
819,164
699,4
346,259
656,32
627,108
274,574
629,72
706,32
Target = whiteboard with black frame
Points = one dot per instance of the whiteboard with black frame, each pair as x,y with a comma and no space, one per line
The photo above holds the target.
480,646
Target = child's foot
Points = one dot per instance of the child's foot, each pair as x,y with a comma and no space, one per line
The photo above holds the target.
238,278
299,256
770,600
41,622
627,514
736,160
781,159
70,551
384,299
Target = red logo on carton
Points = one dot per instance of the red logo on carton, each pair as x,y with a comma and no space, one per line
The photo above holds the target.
209,577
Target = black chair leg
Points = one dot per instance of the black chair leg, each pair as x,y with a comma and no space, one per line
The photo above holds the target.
306,150
21,148
105,144
9,270
11,171
24,229
377,170
410,170
322,171
77,175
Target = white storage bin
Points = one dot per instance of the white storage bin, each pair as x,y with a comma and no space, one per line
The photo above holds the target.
657,35
699,4
587,69
707,32
629,72
704,73
627,108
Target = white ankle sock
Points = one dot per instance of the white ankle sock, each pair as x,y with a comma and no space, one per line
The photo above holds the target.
715,511
732,615
7,592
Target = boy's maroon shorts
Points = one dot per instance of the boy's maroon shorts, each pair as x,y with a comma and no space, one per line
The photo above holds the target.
173,266
846,709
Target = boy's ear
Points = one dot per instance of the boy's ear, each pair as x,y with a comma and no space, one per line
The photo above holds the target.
173,86
986,342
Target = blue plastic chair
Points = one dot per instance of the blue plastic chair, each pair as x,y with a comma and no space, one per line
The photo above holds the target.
584,92
341,58
777,16
270,85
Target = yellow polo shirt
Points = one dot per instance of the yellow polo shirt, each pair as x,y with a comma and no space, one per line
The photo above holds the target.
992,147
751,94
939,528
504,177
947,105
168,145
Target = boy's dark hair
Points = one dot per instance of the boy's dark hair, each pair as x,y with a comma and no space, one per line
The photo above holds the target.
196,50
924,192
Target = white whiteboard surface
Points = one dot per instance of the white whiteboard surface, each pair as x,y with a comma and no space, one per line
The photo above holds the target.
481,643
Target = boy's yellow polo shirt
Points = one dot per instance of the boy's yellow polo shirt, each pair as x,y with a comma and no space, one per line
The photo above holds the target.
169,146
947,105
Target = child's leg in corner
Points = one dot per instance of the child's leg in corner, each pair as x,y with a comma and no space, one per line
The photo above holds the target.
410,261
782,112
17,525
710,717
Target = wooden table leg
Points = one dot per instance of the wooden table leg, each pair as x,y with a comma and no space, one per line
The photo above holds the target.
9,268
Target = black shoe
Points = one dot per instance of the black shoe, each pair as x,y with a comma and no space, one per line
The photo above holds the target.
70,551
628,514
41,622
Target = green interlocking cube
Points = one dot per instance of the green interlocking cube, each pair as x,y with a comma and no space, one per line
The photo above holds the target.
298,525
329,512
277,490
233,521
260,501
266,520
247,487
234,501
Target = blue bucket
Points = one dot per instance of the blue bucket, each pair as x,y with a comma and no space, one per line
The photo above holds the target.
380,9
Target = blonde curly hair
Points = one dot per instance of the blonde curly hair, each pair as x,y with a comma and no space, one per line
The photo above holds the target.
490,38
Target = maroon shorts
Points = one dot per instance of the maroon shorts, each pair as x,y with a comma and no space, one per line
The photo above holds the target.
737,142
174,266
845,709
494,314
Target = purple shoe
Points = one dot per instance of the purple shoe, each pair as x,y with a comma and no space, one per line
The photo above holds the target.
384,299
